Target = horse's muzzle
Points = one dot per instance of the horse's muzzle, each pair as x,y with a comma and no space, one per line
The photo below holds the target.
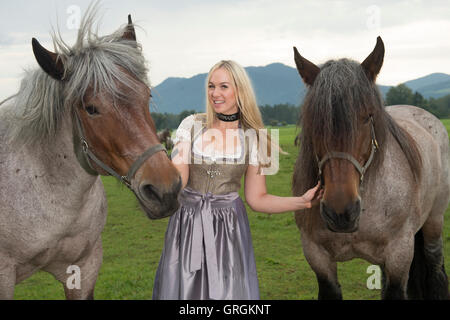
156,203
345,222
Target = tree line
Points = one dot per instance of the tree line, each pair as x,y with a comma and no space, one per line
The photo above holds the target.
277,115
169,120
401,94
284,114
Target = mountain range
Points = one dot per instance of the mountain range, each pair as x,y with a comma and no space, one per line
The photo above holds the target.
275,83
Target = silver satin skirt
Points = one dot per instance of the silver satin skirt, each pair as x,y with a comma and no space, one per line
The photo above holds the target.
208,252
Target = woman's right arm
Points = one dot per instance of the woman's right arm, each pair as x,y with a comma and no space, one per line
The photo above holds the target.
180,160
182,149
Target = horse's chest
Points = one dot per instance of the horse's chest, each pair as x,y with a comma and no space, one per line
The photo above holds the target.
69,237
66,249
74,248
344,247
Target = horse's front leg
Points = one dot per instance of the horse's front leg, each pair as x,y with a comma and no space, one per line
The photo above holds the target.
7,279
399,255
90,267
325,269
79,277
329,287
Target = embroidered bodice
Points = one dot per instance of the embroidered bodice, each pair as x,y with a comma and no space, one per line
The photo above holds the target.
211,170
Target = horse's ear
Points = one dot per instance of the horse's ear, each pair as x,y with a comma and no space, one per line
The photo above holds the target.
372,64
129,33
307,70
48,61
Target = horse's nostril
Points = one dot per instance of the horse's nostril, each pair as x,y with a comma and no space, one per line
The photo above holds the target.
354,210
327,212
151,193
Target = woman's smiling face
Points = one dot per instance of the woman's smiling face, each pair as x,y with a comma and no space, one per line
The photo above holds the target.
221,94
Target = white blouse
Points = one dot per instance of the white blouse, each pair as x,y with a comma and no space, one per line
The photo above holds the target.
183,133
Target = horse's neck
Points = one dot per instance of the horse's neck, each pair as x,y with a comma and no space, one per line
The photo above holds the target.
62,159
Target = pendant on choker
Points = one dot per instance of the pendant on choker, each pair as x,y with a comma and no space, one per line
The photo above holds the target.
228,117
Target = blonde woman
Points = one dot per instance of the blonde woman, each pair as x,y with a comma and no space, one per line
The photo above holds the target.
208,252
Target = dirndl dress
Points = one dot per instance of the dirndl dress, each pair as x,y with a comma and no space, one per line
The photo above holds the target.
208,251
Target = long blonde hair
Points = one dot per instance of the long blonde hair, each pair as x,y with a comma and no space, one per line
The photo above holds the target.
250,116
245,97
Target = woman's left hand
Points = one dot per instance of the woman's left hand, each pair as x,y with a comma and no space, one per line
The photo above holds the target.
313,196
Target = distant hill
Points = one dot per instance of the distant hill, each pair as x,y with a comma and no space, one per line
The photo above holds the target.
174,95
275,83
427,81
435,85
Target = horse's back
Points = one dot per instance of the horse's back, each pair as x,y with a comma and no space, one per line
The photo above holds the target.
431,136
428,121
431,124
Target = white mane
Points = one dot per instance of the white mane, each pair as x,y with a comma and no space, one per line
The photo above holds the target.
93,62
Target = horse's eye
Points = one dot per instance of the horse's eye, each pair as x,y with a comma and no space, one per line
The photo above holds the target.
91,110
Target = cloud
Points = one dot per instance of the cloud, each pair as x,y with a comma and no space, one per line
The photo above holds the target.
5,39
184,38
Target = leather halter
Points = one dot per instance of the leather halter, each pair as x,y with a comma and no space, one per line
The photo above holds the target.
90,156
342,155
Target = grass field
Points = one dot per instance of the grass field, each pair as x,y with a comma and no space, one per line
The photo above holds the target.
132,245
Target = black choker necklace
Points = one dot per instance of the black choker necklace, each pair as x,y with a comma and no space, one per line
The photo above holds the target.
228,117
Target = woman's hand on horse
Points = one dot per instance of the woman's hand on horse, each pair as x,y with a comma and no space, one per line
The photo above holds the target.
312,197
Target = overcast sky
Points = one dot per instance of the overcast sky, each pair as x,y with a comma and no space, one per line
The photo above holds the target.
184,38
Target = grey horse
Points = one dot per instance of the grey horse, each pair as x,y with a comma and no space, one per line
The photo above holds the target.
83,113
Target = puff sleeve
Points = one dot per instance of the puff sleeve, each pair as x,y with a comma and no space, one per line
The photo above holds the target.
183,132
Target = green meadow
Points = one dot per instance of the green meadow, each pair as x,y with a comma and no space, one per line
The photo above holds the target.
132,245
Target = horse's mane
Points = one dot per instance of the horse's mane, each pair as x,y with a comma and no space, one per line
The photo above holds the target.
329,118
93,63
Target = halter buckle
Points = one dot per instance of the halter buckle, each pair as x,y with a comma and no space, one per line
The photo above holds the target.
125,181
84,145
375,143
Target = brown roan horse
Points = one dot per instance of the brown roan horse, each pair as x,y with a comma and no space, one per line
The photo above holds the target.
385,174
83,113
